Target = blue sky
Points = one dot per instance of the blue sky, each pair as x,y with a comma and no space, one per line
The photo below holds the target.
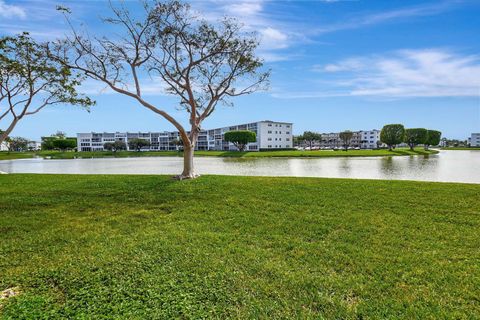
335,65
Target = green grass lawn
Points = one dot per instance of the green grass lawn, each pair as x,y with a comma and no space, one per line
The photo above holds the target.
293,153
461,148
238,247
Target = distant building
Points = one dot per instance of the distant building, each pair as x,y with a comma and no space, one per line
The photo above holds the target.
270,135
4,146
369,139
474,140
34,145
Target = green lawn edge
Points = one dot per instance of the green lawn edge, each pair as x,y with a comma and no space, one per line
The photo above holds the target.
227,154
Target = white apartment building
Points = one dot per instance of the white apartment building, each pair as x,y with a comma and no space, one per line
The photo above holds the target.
270,135
370,139
474,140
4,146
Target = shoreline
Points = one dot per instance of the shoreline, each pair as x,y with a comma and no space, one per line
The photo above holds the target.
222,154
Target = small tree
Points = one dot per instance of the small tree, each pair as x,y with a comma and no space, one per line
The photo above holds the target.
392,134
118,145
31,81
346,137
18,144
310,137
65,143
415,136
109,146
433,138
137,144
240,138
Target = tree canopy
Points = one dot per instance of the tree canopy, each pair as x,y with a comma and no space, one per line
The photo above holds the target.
115,146
137,144
30,81
64,144
392,134
310,137
415,137
433,138
346,137
240,138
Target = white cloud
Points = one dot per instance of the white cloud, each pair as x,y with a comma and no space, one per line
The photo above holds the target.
420,73
345,65
8,11
273,38
386,16
401,74
244,8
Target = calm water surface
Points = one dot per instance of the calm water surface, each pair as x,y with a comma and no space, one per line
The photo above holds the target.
451,166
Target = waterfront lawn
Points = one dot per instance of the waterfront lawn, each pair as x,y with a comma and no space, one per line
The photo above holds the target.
233,154
460,148
238,247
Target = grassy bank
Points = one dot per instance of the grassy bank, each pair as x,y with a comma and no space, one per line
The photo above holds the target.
233,154
240,247
460,148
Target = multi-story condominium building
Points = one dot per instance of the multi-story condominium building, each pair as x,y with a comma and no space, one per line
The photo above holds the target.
270,135
474,140
370,139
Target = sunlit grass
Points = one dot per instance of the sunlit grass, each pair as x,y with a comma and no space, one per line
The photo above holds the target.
238,247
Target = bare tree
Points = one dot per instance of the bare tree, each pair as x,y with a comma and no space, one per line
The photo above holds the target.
202,64
31,81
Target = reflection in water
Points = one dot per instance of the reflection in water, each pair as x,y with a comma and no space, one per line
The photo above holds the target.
387,166
455,166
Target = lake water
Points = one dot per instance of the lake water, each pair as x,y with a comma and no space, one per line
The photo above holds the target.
447,166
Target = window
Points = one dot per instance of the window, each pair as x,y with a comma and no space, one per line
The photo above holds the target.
269,131
269,139
269,124
288,132
279,139
288,139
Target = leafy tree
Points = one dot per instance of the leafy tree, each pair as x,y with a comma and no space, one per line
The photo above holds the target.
392,134
115,146
310,137
240,138
415,136
346,137
137,144
60,134
433,138
201,63
18,144
31,81
64,144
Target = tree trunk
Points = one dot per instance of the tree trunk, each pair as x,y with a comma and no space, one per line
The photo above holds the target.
188,168
7,132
